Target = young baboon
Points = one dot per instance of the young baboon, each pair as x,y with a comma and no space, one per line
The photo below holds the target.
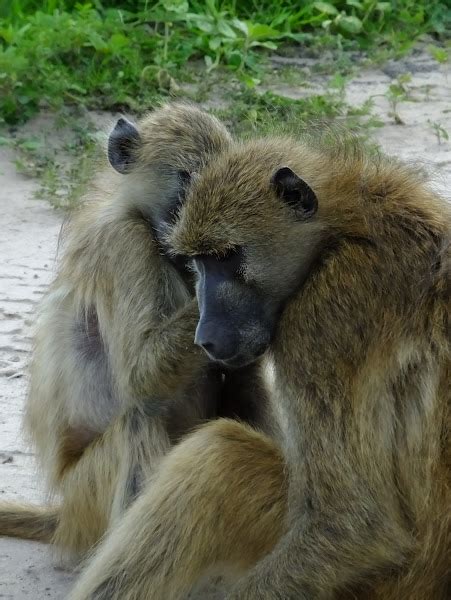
116,376
335,266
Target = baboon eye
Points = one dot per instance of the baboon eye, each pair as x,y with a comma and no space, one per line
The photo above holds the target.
295,192
173,206
184,178
231,261
228,256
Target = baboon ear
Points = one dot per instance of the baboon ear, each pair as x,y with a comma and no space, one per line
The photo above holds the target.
295,192
122,144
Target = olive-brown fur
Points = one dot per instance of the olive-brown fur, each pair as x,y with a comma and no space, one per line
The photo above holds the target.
115,376
359,385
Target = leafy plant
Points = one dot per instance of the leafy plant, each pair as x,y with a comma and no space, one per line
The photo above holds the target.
126,53
398,92
440,132
439,54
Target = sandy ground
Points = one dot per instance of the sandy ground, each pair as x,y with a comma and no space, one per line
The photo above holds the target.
28,236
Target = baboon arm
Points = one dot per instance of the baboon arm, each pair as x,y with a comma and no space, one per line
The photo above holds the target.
307,565
147,317
329,549
218,497
153,323
167,360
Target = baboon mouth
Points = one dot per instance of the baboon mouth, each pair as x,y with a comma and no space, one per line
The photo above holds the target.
239,360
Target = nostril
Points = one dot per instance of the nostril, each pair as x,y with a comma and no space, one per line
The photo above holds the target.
208,347
204,343
205,339
216,340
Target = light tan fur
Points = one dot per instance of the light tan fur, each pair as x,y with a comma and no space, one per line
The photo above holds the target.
115,376
361,389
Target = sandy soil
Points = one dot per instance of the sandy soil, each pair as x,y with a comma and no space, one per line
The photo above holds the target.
28,236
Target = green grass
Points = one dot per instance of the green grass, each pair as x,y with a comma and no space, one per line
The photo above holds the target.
69,56
125,54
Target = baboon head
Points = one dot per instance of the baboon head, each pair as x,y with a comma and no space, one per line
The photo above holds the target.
250,226
159,155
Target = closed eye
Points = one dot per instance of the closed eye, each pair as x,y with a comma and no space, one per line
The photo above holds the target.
231,262
190,264
226,256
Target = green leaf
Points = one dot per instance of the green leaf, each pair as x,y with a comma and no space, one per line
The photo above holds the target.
76,88
204,24
7,34
96,41
384,6
118,41
214,44
226,30
325,8
212,7
177,6
241,26
280,18
22,99
439,54
235,59
249,81
349,23
355,4
259,31
270,45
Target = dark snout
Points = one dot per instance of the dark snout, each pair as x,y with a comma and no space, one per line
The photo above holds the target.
231,346
235,322
218,340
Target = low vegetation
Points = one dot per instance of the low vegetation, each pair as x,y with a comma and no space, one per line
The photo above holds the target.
128,54
125,53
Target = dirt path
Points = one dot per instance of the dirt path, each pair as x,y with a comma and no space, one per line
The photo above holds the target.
29,231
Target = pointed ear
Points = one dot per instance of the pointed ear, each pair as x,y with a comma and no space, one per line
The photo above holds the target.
295,192
122,143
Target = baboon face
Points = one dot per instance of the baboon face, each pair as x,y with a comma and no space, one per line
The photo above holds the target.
249,232
236,320
160,156
125,146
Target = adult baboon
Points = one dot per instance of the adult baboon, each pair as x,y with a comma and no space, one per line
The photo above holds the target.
116,377
337,266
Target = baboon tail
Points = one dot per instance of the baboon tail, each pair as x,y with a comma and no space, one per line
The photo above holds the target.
28,522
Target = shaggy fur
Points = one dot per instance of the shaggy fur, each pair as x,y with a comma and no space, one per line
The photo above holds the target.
360,505
115,377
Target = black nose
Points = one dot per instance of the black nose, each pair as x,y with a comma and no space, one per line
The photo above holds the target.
220,343
209,347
